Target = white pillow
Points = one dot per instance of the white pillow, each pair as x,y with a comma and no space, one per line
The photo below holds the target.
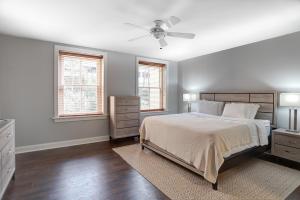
210,107
240,110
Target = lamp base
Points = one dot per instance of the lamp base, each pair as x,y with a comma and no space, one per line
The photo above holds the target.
189,107
293,131
295,128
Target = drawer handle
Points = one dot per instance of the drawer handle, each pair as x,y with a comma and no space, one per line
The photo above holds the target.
8,136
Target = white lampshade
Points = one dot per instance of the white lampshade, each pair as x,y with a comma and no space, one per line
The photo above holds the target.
189,97
289,99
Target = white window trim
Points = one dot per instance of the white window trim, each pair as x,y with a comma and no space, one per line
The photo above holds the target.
79,118
58,48
167,82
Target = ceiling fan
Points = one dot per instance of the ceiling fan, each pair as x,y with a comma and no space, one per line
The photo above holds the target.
159,31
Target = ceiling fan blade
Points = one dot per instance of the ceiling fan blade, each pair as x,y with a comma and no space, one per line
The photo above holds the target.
137,26
167,23
174,20
140,37
181,35
162,42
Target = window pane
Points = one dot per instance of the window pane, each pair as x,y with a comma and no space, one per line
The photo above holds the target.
71,71
154,77
72,99
89,72
149,76
155,98
89,99
144,94
144,76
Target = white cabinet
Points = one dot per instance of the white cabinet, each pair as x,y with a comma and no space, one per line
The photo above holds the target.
7,153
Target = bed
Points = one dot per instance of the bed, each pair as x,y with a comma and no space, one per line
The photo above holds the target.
207,144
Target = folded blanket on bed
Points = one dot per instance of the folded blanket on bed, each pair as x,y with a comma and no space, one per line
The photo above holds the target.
203,140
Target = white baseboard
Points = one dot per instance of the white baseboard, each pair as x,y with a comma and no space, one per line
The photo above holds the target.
67,143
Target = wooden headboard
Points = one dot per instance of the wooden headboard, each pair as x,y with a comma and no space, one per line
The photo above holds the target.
266,100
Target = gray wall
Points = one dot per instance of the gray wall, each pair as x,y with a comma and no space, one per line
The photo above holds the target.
26,91
268,65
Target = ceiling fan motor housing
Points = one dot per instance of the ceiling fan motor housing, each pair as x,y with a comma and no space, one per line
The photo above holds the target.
157,31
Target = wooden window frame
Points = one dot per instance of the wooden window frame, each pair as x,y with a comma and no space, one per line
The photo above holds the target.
84,53
163,73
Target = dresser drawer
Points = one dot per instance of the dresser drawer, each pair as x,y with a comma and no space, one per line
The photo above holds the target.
290,153
8,153
127,132
127,109
128,123
128,116
5,137
7,173
127,101
287,140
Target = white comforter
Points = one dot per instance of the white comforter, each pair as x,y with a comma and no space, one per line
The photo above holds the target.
203,140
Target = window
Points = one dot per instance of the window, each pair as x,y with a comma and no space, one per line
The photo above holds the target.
80,84
152,85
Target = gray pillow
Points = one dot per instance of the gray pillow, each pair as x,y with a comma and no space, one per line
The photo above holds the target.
210,107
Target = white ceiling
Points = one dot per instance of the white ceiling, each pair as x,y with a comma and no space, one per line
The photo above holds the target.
218,24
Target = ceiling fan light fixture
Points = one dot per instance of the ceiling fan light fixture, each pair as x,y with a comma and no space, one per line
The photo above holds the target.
162,42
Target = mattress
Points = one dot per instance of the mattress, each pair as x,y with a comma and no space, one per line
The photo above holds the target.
204,140
266,124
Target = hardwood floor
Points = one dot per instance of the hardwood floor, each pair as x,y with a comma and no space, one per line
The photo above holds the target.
92,171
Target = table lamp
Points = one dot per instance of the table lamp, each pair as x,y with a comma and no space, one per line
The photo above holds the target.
292,101
189,98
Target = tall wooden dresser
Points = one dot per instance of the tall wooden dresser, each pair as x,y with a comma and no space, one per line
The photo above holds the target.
7,153
124,114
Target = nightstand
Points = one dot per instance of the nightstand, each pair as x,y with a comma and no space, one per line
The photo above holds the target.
286,144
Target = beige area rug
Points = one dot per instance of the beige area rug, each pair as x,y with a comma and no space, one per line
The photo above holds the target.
255,179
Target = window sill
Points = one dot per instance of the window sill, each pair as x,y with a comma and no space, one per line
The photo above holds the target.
79,118
154,113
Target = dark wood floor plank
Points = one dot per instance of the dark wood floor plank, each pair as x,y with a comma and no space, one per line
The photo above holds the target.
295,195
92,172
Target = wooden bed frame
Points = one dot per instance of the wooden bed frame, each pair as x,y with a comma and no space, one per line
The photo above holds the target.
267,110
